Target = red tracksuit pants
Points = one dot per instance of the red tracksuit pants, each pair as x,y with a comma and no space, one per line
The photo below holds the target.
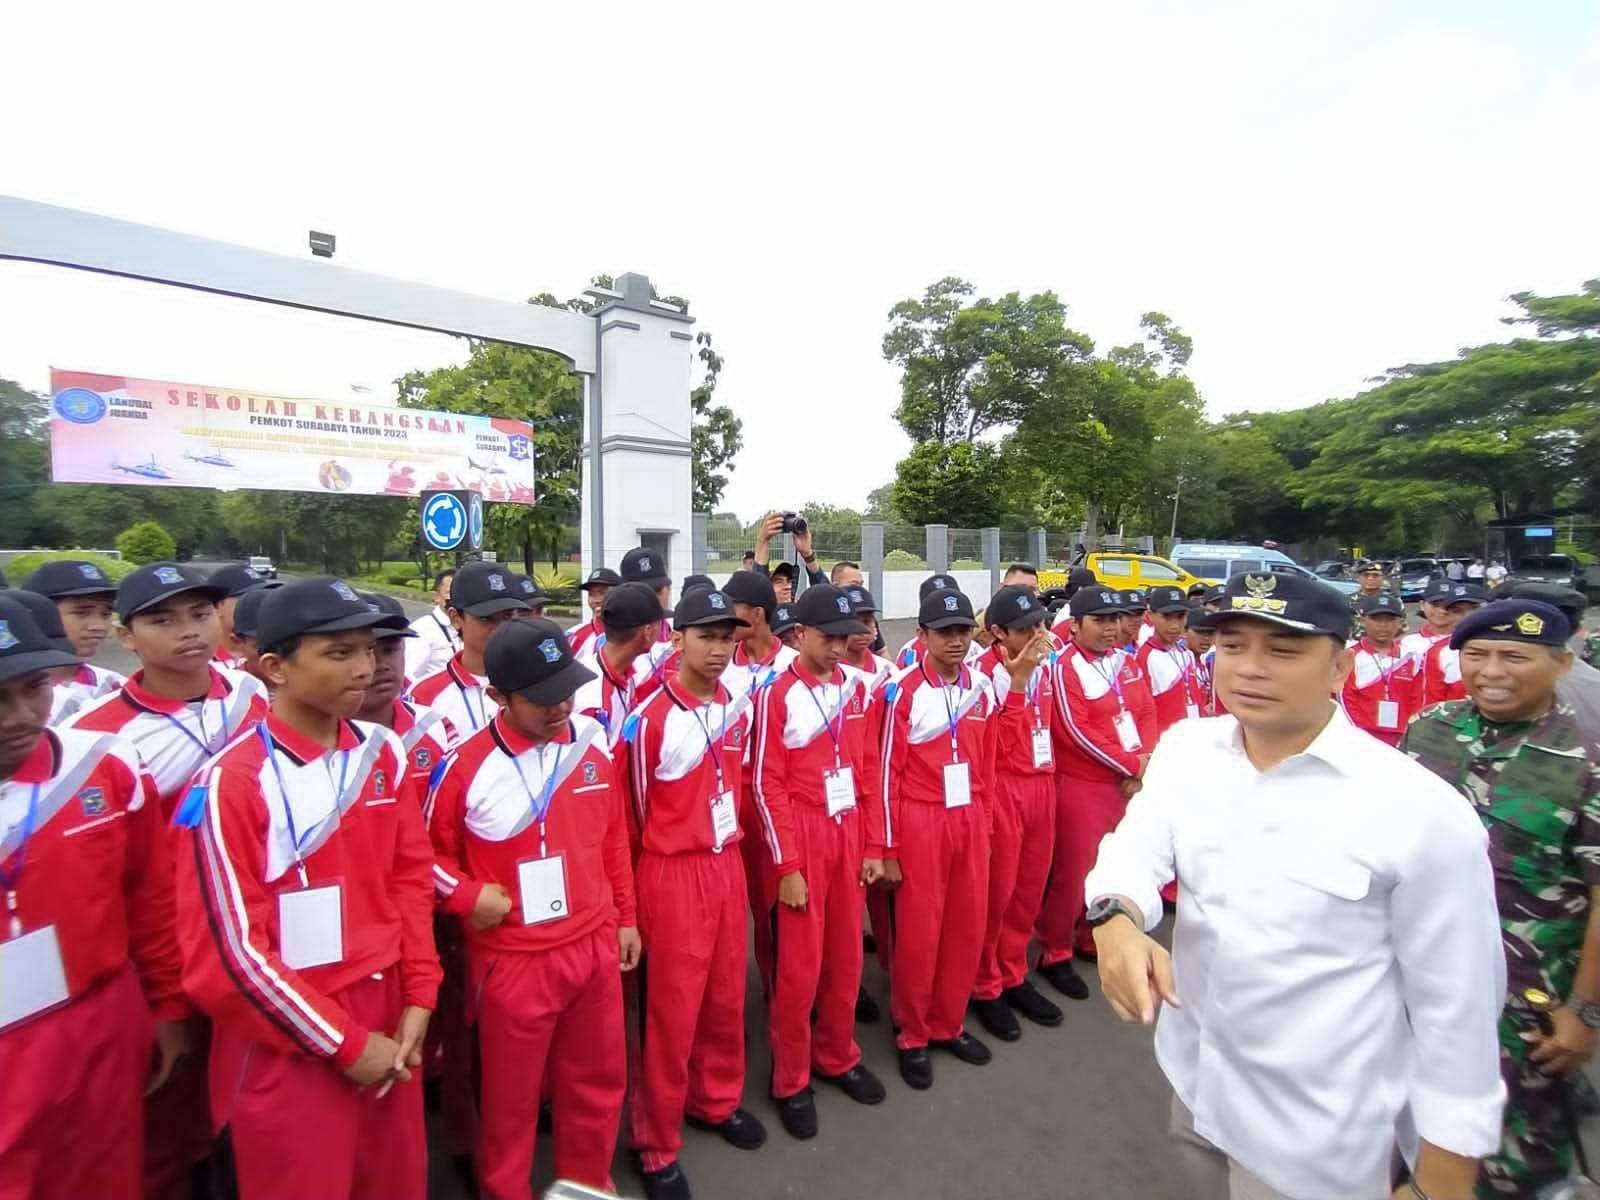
1086,810
553,1014
300,1128
817,954
72,1124
1019,867
692,919
939,919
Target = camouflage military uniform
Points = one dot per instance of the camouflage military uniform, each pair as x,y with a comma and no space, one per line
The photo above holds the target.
1536,786
1591,650
1358,629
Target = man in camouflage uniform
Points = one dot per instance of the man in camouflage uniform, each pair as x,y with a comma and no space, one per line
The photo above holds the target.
1532,772
1373,583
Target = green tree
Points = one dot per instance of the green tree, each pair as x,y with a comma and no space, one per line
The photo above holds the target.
716,435
146,542
960,485
25,467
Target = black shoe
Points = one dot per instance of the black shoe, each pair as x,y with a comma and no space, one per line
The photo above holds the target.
999,1020
799,1114
967,1048
466,1172
916,1068
869,943
1028,1001
1090,955
669,1183
741,1131
1065,980
867,1011
860,1084
547,1118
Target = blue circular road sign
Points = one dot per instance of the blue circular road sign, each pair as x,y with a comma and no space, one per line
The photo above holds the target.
444,521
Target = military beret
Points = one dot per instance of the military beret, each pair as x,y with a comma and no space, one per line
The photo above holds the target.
1530,621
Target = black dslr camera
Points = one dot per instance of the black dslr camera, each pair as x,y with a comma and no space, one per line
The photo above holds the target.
793,522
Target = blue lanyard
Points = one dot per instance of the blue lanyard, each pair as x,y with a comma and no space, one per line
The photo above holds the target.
200,719
288,809
1114,679
833,734
950,713
716,759
12,876
540,808
1384,676
466,703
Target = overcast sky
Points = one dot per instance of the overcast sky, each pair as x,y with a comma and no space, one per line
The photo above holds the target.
1313,191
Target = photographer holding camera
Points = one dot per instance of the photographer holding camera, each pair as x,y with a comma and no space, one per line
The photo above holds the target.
776,524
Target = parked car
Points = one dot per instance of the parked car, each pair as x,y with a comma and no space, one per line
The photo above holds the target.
1216,562
262,566
1560,569
1138,571
1414,576
1345,587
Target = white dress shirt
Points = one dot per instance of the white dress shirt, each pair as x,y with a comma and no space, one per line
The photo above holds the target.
436,642
1337,953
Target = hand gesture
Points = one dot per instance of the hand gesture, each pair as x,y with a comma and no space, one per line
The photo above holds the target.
792,890
492,905
629,946
408,1039
376,1063
871,871
771,526
172,1045
892,878
1134,970
1566,1048
1021,665
802,544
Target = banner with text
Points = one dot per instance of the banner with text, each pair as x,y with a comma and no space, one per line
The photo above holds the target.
111,429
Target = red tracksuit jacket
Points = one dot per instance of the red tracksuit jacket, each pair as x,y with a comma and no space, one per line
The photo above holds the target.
795,747
1375,678
460,695
607,698
1013,752
1090,692
174,738
481,819
579,635
916,741
426,736
1174,682
96,865
680,752
1441,674
239,858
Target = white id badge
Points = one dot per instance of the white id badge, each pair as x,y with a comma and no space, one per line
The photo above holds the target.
1041,748
840,786
1127,731
957,785
724,819
542,887
32,978
1191,709
311,926
1388,714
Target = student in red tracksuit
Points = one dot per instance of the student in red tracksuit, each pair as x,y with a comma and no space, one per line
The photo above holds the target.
682,767
936,780
632,618
1105,728
1167,663
758,658
1384,688
1200,636
1017,666
530,833
810,792
595,589
642,565
483,597
178,709
305,905
83,598
87,950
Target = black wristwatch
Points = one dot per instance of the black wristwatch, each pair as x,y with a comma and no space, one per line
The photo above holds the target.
1104,909
1588,1013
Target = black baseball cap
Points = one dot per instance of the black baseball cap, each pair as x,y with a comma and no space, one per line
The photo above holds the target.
936,583
1383,602
145,587
1202,619
1516,620
827,609
24,648
600,577
945,609
248,611
377,601
784,570
1293,602
643,565
1096,601
43,611
752,588
705,606
861,600
631,606
320,604
698,581
1367,564
69,577
1015,607
1133,600
482,589
783,619
235,579
531,591
533,659
1166,599
1447,592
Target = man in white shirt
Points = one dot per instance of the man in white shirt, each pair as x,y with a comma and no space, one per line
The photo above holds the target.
437,640
1336,975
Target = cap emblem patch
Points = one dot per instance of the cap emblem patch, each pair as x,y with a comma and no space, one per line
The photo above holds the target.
1530,625
345,591
497,583
951,604
716,601
7,638
551,651
844,605
1024,603
1260,585
168,575
90,571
